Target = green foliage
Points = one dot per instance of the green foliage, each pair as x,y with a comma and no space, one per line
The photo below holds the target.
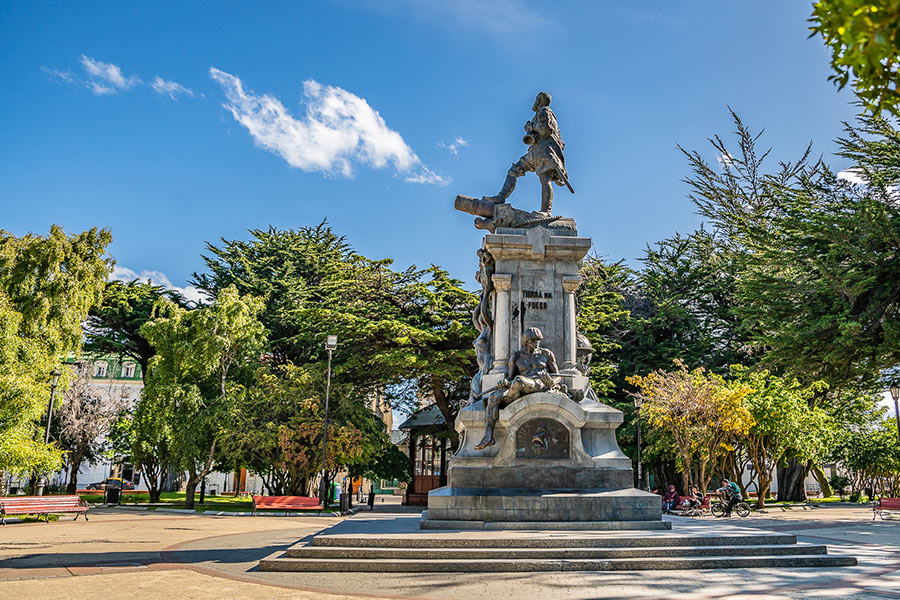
277,429
870,453
839,484
701,412
47,285
395,328
114,324
864,37
391,465
817,288
689,307
195,378
600,308
784,422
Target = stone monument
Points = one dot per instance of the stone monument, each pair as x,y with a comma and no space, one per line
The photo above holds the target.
537,445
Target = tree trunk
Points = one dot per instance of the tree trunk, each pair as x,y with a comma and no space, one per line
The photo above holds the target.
820,476
762,489
190,488
449,414
194,477
790,481
72,486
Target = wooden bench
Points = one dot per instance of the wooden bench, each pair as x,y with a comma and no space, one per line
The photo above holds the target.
285,503
885,504
42,505
704,504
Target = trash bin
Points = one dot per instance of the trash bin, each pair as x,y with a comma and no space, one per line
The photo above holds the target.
113,495
371,500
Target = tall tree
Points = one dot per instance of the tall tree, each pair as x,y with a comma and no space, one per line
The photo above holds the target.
47,285
821,284
204,358
818,288
85,419
407,333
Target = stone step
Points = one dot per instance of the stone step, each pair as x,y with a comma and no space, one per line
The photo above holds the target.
338,552
551,541
502,565
435,524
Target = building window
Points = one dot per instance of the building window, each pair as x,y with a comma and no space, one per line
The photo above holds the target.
128,370
100,369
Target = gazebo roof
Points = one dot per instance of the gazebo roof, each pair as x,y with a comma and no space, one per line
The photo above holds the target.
425,420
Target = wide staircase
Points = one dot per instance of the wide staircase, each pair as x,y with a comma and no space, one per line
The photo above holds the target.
549,551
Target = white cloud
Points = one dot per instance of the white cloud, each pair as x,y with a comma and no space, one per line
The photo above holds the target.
171,88
338,130
107,78
454,146
853,176
426,175
157,278
725,159
104,79
66,76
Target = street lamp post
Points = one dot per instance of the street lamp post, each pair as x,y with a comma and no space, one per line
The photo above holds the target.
330,345
637,422
54,381
895,394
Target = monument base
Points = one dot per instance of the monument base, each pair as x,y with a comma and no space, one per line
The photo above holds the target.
439,525
546,505
556,463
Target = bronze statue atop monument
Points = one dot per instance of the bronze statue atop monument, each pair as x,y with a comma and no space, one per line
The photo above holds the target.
545,158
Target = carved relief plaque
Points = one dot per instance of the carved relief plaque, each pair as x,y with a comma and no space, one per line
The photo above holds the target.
542,438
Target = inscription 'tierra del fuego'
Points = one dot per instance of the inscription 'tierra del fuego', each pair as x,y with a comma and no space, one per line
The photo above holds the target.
536,294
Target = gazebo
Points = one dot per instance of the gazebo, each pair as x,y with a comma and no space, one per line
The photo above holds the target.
427,430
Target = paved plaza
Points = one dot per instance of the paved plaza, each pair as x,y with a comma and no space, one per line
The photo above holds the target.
147,555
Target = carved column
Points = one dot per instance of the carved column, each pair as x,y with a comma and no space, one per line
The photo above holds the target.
570,285
502,285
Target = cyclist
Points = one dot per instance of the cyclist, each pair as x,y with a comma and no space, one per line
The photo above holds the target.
732,494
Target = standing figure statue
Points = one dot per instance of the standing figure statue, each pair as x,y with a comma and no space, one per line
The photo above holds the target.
481,316
544,157
529,371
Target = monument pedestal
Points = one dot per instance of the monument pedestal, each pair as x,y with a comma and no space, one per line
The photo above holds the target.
555,460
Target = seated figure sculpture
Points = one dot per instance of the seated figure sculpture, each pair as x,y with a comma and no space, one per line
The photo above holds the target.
529,371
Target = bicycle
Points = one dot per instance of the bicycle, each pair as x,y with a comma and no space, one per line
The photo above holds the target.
720,506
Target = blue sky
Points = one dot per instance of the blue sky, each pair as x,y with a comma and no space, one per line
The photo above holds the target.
174,124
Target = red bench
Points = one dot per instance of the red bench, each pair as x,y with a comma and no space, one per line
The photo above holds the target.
285,503
704,504
885,504
42,505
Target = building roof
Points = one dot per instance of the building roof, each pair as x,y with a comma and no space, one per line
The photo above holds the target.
425,420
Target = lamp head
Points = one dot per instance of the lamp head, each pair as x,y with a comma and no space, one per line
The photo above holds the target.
638,402
331,342
895,391
54,377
